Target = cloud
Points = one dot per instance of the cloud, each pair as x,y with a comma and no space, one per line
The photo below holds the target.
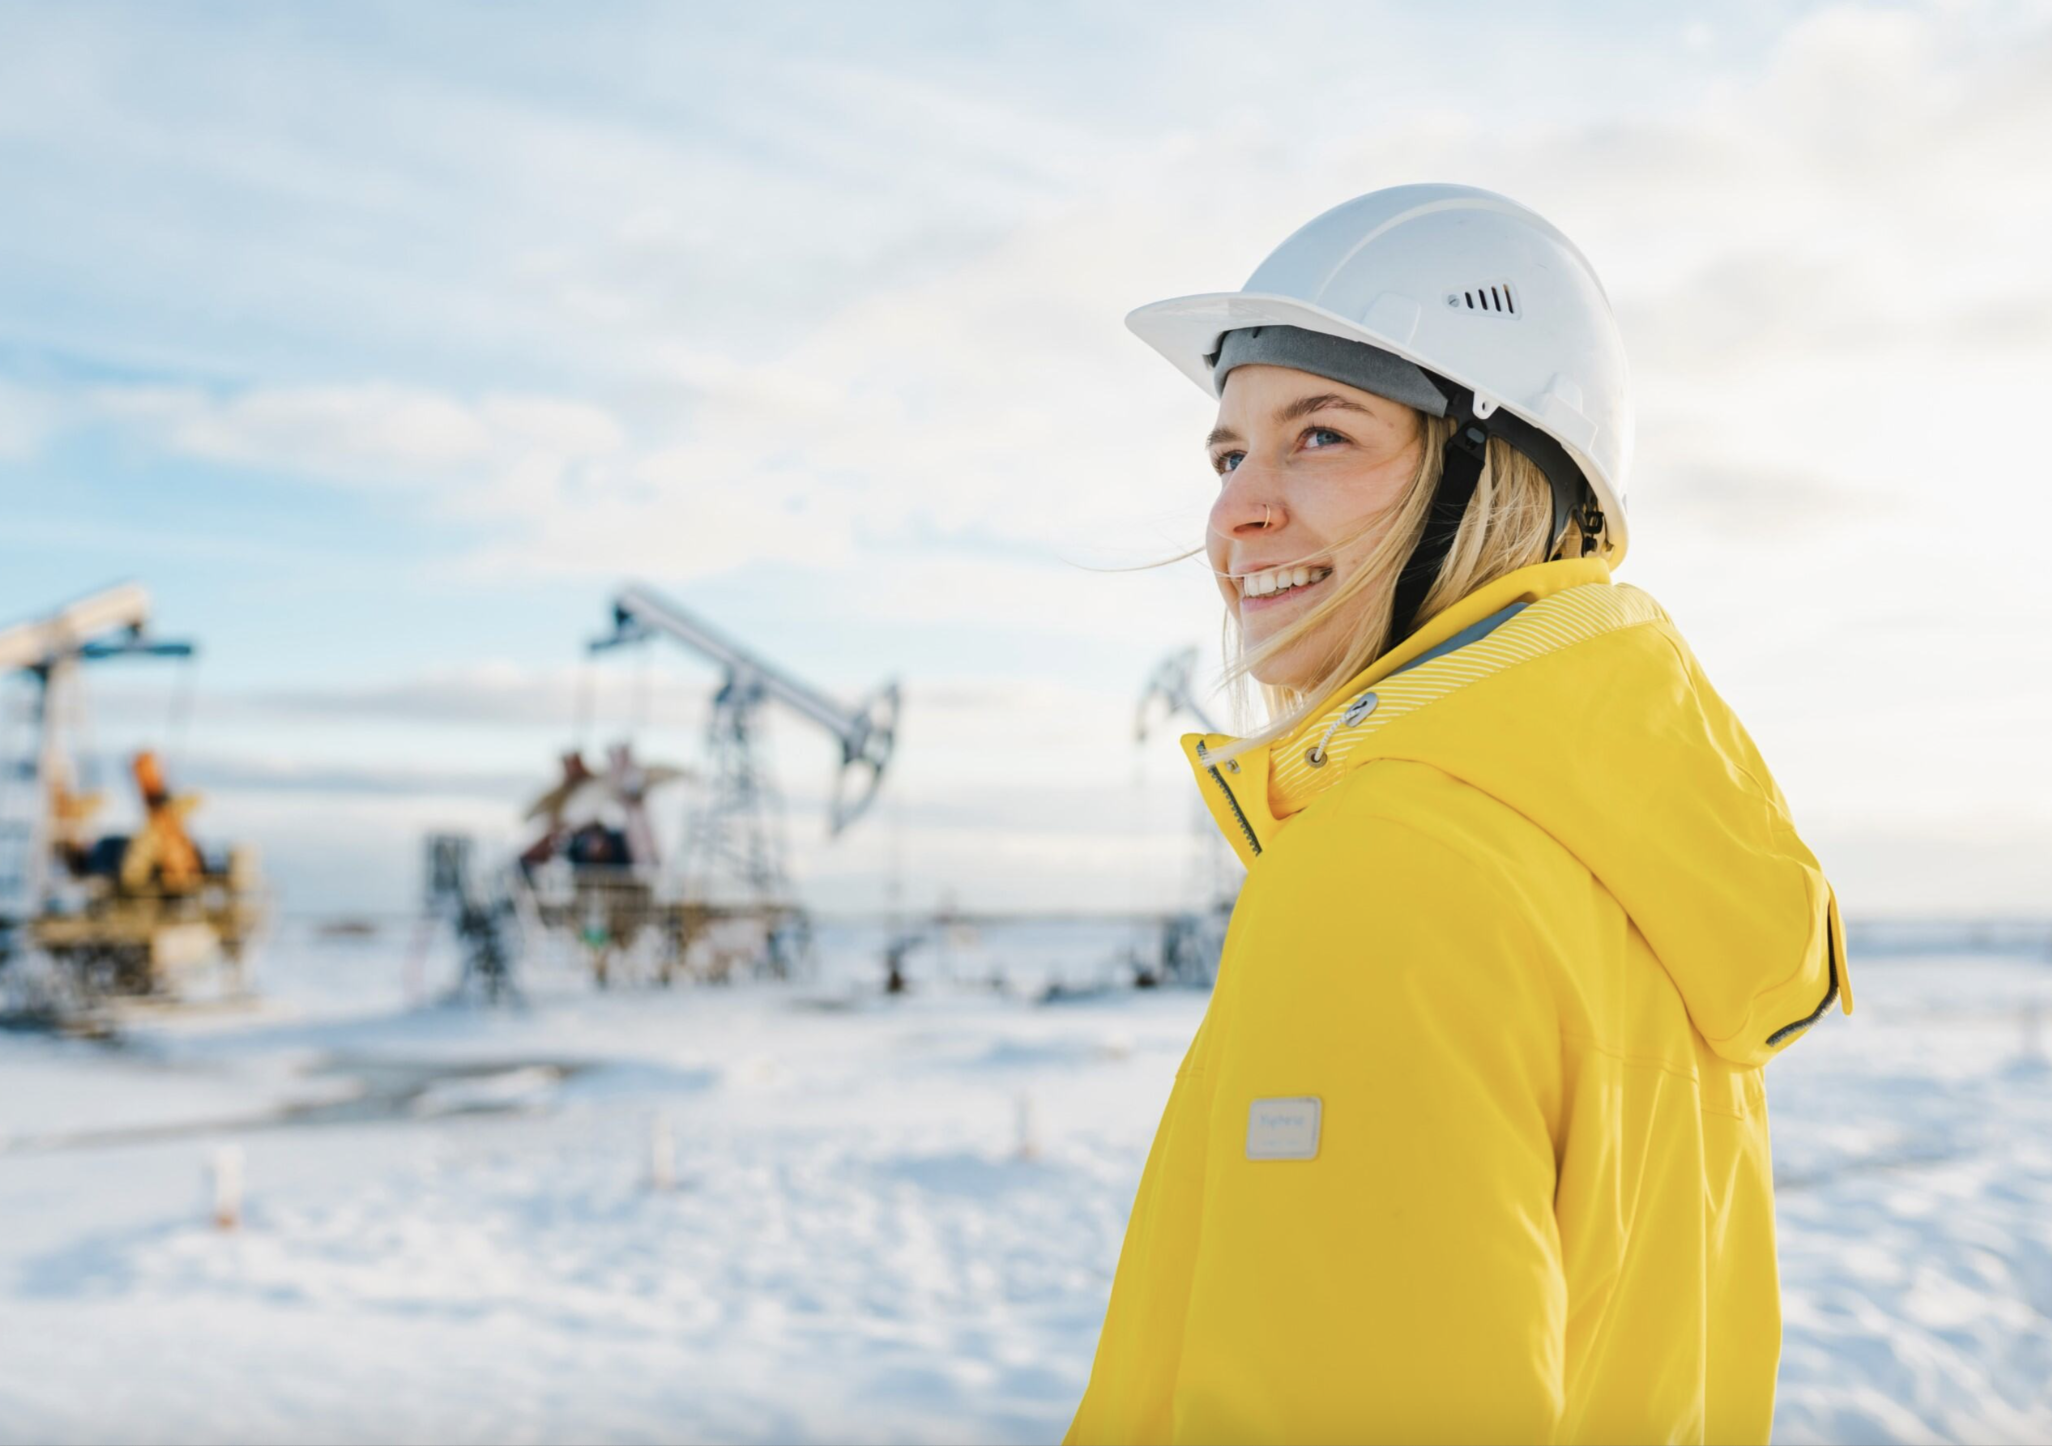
375,432
245,776
453,453
1739,503
25,418
493,694
1790,255
1960,864
995,397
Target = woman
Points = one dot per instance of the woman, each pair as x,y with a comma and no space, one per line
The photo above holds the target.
1472,1143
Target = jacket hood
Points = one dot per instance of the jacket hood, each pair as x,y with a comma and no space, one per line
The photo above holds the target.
1575,702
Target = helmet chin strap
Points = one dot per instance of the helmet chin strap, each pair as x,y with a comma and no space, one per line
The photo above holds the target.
1460,470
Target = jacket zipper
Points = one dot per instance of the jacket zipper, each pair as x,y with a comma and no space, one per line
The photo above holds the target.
1830,988
1240,818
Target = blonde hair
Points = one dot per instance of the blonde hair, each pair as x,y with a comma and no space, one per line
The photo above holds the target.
1506,526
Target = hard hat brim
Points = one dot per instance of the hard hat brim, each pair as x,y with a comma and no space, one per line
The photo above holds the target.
1186,329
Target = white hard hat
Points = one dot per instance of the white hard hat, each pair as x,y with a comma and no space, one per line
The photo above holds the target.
1464,283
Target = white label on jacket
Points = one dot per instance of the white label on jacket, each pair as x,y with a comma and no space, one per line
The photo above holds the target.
1283,1129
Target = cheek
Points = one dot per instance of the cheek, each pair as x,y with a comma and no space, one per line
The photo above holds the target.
1360,511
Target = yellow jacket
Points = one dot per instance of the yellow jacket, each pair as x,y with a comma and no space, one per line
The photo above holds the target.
1472,1142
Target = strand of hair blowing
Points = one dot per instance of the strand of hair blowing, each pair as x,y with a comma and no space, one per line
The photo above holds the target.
1504,528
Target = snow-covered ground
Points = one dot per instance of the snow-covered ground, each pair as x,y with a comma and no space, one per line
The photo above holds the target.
890,1219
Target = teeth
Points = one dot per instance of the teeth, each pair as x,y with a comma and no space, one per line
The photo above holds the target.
1281,579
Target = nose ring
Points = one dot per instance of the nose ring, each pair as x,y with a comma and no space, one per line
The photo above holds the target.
1264,516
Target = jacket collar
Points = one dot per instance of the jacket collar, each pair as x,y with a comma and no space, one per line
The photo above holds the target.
1252,795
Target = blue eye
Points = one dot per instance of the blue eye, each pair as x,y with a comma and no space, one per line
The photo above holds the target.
1228,461
1324,436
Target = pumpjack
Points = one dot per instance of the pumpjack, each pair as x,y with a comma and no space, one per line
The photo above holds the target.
737,900
593,870
135,913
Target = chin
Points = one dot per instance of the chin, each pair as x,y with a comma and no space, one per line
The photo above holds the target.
1285,671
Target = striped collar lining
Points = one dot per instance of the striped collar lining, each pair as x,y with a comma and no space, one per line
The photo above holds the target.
1555,622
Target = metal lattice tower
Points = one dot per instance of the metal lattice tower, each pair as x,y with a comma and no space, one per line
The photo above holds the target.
735,849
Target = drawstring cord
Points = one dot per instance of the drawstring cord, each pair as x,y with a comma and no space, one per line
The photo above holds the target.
1353,713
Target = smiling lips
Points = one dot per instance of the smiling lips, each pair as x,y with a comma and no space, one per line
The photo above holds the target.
1279,582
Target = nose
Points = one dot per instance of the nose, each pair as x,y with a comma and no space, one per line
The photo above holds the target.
1248,506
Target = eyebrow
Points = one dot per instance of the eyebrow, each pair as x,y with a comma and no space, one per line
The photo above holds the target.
1290,412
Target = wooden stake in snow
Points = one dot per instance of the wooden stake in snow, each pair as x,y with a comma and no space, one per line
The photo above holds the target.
1029,1138
662,1154
224,1176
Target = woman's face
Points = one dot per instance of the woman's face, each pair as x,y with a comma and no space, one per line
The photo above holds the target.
1309,470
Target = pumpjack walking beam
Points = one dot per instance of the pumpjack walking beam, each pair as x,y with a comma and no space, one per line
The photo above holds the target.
866,732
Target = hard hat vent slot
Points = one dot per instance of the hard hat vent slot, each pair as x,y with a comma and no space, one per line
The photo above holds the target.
1495,297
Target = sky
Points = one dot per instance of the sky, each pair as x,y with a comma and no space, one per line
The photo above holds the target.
384,343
